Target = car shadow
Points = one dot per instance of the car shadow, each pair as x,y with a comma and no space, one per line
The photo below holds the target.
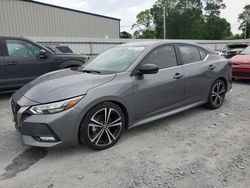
5,96
238,81
163,123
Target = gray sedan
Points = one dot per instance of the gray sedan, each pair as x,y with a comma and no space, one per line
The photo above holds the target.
123,87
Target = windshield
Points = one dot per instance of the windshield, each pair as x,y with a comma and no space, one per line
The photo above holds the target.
114,60
246,51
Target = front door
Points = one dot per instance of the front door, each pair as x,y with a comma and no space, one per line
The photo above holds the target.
23,62
163,91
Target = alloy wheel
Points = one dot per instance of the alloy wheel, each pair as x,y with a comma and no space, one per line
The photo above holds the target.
104,127
218,94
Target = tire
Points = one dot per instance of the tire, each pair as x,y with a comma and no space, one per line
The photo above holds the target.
216,95
102,126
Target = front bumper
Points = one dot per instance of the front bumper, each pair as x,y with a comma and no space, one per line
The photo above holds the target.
50,130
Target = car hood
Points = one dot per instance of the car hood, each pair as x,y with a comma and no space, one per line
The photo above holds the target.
241,59
62,84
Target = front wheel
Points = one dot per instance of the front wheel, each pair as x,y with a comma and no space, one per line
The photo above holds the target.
217,94
102,127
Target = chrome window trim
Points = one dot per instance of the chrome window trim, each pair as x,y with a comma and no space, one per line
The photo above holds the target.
198,61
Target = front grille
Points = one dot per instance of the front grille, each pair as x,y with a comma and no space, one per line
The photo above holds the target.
241,74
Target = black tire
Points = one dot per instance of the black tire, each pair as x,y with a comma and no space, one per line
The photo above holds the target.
100,131
216,95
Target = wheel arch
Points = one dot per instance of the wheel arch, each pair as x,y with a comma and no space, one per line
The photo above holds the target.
124,109
224,80
117,102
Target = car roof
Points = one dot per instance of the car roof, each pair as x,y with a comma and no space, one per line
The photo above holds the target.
152,43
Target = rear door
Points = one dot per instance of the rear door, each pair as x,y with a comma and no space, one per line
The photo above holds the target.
195,69
23,62
3,74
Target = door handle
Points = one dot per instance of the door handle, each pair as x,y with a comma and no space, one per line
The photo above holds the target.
178,76
12,63
211,67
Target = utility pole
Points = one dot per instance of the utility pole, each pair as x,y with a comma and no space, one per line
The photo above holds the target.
164,21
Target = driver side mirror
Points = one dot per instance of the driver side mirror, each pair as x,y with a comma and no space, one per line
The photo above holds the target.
43,54
148,69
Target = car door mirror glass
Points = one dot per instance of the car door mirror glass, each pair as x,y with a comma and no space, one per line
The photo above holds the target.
148,69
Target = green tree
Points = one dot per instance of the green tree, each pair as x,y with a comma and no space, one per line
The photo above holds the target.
213,7
216,27
144,25
185,19
243,18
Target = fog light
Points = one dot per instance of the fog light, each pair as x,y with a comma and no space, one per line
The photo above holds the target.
47,138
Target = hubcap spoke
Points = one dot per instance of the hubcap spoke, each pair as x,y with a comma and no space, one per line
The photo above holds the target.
105,114
217,94
220,99
110,134
114,125
110,141
215,101
96,122
95,125
114,121
222,91
98,135
108,116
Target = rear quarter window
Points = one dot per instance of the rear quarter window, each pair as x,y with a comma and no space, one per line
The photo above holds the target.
203,53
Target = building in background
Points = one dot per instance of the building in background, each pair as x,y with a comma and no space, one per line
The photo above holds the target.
34,19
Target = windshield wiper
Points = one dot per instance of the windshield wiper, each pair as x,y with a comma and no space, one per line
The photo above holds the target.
90,71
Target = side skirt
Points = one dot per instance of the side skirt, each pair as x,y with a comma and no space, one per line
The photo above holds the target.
169,113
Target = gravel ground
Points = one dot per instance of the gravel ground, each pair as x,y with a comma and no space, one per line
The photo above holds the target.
196,148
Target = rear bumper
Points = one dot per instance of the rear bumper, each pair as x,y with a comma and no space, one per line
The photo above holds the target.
241,73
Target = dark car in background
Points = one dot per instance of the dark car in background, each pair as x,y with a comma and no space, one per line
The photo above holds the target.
241,65
22,60
59,48
234,49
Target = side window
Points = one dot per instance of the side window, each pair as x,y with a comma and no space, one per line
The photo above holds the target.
189,54
163,57
202,53
19,48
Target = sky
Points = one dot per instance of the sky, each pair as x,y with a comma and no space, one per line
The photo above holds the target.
128,9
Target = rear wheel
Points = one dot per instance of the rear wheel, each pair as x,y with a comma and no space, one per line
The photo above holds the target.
217,94
102,127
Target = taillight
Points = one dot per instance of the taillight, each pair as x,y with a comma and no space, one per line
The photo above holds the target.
231,64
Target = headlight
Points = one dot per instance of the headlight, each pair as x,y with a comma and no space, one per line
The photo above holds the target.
55,107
